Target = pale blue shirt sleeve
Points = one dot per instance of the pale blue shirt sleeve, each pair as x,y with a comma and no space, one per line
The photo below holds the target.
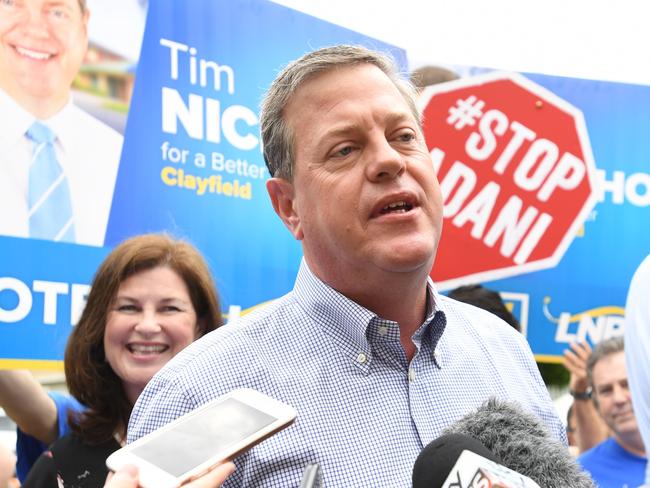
160,403
637,350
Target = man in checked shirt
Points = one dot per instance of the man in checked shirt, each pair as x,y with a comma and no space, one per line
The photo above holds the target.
373,358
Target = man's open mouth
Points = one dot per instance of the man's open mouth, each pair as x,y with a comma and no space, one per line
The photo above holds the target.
396,207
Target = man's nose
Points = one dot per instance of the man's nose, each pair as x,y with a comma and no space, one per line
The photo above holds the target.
33,21
621,394
385,162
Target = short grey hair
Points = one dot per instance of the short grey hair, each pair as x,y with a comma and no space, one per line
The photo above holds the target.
277,137
603,349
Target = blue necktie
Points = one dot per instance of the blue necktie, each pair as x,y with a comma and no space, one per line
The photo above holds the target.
50,209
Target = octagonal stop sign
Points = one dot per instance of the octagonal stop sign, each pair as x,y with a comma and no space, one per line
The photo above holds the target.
516,173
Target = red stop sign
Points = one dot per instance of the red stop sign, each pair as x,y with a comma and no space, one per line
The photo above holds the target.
516,172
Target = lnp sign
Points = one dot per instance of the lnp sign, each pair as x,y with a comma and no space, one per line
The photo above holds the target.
516,174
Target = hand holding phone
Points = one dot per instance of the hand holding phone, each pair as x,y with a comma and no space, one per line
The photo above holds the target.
213,433
127,477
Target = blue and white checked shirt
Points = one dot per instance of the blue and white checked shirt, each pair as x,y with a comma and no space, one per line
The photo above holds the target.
364,412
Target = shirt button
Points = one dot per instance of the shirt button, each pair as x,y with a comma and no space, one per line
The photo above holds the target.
411,374
362,358
383,330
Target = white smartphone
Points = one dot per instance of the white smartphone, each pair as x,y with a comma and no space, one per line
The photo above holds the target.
217,431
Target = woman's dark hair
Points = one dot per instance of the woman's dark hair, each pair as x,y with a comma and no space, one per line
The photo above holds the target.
89,377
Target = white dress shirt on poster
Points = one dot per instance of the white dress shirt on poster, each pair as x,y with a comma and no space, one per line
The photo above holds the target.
89,153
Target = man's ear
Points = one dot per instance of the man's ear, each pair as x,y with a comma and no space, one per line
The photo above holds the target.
284,203
85,17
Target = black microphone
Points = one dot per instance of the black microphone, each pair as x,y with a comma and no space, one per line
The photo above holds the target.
523,444
460,461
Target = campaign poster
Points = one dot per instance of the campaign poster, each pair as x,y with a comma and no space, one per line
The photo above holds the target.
583,296
580,293
190,163
187,161
44,277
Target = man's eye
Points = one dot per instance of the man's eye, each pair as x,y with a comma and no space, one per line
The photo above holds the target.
8,3
407,137
58,13
344,152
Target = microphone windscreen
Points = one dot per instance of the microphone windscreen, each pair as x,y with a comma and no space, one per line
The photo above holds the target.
437,459
522,443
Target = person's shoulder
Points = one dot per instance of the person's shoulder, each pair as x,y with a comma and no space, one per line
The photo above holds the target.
66,443
642,273
596,452
235,346
65,401
645,264
72,444
501,341
233,356
64,404
73,456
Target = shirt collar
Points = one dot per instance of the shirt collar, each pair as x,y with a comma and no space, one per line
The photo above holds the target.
61,125
14,122
435,322
341,318
347,322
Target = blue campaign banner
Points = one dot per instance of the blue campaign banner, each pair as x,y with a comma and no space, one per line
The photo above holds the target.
583,297
191,165
192,162
43,288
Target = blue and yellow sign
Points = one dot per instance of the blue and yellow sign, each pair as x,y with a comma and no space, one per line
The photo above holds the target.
192,166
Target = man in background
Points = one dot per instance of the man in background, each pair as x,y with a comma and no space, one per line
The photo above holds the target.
57,163
589,426
487,299
619,461
431,75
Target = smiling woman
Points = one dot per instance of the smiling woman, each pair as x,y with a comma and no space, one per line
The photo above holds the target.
151,297
152,318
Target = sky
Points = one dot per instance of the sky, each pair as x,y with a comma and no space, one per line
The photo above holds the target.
594,39
108,17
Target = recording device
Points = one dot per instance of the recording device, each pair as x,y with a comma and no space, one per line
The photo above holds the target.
215,432
521,442
459,461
